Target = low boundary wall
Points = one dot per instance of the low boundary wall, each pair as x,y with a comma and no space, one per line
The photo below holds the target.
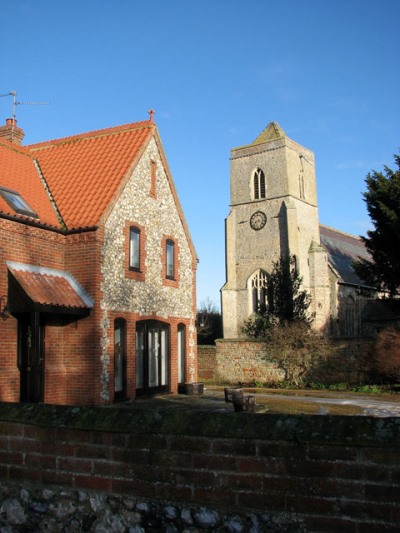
307,473
246,361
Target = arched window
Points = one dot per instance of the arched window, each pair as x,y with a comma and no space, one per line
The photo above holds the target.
258,184
258,291
152,357
181,353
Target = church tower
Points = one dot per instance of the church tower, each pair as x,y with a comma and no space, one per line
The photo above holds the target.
273,213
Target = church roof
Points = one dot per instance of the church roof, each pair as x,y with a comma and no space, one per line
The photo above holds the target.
272,132
342,250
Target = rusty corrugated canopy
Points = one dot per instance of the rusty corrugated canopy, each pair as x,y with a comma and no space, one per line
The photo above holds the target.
50,287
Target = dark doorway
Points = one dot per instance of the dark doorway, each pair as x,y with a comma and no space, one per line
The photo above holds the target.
119,359
31,343
152,357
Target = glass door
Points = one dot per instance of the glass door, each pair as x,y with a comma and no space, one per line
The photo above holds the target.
152,357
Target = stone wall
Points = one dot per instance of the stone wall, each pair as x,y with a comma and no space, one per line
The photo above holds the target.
114,469
245,361
54,509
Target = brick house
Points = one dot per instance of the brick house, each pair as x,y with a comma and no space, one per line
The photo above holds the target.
97,269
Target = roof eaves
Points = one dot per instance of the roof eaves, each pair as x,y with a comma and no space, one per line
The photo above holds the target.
23,219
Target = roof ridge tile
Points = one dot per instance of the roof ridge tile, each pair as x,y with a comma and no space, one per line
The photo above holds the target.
91,135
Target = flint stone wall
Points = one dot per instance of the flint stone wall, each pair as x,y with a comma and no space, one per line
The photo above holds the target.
246,361
55,509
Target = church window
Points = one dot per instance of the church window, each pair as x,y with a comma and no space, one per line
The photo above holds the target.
258,291
259,184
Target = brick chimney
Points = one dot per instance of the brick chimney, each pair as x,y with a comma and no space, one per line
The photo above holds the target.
11,131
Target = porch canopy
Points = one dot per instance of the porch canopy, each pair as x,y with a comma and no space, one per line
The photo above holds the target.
53,292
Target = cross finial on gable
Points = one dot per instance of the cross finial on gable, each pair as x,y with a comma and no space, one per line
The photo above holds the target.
151,113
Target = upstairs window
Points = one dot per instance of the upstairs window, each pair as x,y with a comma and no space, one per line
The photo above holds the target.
259,184
134,248
153,178
17,203
170,259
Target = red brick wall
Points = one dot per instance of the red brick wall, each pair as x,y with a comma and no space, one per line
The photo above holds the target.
207,362
23,244
331,473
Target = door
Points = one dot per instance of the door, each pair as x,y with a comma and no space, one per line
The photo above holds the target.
119,359
152,357
31,358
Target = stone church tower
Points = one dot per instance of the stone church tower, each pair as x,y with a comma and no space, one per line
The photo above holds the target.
273,213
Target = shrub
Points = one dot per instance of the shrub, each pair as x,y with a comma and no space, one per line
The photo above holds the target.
387,354
296,350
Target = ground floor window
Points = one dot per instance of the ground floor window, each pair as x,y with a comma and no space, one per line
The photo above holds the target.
181,353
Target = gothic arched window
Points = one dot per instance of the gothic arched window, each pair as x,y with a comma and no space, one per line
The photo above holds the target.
258,184
258,291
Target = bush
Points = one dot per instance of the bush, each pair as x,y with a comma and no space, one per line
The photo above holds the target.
297,351
387,354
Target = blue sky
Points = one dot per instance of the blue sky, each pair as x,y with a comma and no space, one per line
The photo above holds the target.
216,72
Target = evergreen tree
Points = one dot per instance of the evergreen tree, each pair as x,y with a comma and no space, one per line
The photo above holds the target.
287,302
383,243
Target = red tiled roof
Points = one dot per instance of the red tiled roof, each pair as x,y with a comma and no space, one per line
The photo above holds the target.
48,287
18,173
85,171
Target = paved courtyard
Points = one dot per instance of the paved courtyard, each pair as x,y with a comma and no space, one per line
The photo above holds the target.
291,402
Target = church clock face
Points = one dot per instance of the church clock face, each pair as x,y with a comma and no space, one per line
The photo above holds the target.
258,220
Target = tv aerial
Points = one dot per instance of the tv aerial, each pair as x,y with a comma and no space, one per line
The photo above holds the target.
16,103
